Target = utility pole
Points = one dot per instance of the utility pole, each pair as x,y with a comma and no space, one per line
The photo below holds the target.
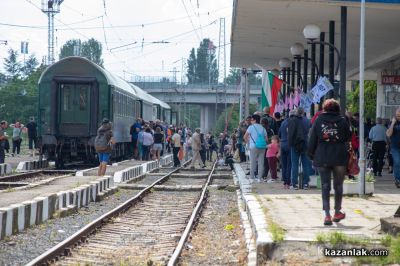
51,8
222,63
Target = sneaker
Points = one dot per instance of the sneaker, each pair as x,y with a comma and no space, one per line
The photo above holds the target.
295,187
397,183
328,220
258,180
305,187
271,180
248,173
338,217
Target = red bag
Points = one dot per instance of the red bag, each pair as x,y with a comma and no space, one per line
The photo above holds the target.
352,164
355,141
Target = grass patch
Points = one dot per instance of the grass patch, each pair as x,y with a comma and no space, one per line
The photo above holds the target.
337,238
278,233
393,246
10,189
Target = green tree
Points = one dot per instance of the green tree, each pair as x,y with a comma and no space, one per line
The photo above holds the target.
12,65
91,49
30,65
234,77
191,63
204,63
20,97
369,96
68,49
233,118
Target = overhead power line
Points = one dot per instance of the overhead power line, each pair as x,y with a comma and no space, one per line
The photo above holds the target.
191,21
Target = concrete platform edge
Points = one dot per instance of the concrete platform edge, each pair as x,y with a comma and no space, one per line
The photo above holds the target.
263,238
17,217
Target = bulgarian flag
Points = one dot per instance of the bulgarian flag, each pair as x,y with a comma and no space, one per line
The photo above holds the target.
271,86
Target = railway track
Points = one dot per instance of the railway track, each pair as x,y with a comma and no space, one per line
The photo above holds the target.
151,227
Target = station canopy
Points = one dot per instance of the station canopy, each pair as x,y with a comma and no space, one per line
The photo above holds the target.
264,30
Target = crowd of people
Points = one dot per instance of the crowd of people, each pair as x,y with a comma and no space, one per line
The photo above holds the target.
150,140
320,146
16,138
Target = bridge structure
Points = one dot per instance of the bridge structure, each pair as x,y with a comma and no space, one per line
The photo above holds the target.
210,97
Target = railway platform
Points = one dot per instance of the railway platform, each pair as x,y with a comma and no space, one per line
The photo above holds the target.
299,212
14,161
23,207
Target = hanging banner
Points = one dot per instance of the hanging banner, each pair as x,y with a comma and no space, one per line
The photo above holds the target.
306,101
322,87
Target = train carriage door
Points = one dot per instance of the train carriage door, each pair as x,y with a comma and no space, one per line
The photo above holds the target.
74,108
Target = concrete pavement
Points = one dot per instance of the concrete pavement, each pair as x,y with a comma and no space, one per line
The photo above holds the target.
299,212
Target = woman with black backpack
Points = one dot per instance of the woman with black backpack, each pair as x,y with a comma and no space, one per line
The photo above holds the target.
328,149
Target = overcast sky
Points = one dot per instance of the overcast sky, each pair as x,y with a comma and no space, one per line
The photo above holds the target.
182,23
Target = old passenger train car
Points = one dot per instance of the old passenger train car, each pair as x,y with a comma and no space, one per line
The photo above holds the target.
75,95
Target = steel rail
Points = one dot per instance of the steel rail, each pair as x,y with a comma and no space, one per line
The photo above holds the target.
30,174
63,248
179,248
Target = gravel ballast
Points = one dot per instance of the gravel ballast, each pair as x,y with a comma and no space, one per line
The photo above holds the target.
218,239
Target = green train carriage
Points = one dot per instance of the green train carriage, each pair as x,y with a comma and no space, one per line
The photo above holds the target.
74,96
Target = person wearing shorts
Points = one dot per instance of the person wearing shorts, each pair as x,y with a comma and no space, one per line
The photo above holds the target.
103,145
158,142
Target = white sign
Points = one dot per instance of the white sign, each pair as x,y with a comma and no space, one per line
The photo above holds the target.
322,88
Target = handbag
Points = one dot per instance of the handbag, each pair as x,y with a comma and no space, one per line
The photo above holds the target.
352,164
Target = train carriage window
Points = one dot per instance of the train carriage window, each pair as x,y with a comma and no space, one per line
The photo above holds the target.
83,90
67,97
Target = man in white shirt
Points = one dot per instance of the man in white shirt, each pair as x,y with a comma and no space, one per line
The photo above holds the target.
196,147
176,146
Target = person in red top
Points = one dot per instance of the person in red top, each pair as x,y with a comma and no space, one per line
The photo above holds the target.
315,116
272,157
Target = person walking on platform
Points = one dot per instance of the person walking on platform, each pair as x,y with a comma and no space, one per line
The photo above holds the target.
3,140
103,143
176,146
147,142
196,147
16,138
32,136
134,131
203,148
158,142
377,135
298,127
256,137
286,162
188,146
394,134
328,148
